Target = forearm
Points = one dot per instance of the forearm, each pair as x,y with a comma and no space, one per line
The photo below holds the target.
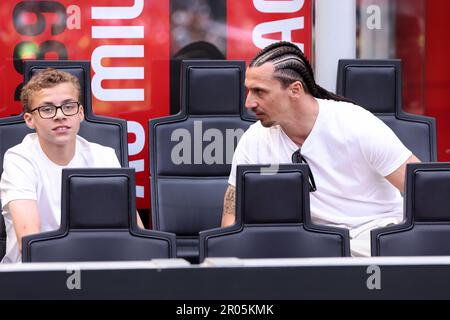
139,220
229,207
20,234
25,216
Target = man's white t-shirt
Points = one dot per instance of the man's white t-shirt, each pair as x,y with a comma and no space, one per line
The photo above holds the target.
349,152
29,174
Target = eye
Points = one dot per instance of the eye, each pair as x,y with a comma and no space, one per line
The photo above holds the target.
47,109
70,106
259,92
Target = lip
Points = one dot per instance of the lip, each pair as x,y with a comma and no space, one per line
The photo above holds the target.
61,129
257,112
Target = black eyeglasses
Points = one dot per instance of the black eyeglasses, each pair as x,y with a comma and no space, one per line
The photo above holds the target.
49,111
298,158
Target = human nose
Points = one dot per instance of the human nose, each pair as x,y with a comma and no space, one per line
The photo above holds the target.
59,113
250,102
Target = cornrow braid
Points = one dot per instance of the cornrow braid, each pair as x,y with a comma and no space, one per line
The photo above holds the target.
291,65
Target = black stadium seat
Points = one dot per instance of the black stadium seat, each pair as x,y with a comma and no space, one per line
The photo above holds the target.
426,230
98,222
191,152
376,85
273,219
107,131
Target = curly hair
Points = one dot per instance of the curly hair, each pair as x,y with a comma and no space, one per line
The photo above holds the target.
290,65
47,78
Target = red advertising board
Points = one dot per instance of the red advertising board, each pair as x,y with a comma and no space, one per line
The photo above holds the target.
252,25
130,44
437,81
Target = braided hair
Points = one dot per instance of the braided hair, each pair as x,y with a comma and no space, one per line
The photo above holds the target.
291,65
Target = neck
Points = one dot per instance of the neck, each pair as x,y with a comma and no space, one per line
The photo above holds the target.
302,120
59,154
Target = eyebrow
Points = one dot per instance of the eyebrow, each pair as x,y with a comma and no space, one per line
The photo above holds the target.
49,103
257,88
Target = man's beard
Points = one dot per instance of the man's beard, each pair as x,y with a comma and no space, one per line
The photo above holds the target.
267,123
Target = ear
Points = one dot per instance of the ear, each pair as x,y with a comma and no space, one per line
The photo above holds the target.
296,89
81,113
29,121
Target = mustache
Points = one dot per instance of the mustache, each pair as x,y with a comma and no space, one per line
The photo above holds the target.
257,110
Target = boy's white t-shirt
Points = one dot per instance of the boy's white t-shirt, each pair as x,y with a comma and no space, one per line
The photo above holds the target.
29,174
349,152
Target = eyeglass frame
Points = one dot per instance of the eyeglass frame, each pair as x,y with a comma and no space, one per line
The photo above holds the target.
56,109
297,157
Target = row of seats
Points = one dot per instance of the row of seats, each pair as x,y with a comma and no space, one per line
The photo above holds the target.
278,224
188,198
96,226
270,222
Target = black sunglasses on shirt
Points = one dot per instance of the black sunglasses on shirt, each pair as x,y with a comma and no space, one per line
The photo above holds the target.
298,158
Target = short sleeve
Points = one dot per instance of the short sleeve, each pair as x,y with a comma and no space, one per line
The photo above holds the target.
102,156
18,180
381,147
115,163
240,156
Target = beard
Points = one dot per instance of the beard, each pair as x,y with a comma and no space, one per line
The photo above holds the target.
267,123
263,118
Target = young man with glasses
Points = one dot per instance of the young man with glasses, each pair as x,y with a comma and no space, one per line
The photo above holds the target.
357,163
30,185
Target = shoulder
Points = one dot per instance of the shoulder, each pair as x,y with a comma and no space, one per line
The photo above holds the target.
26,149
97,154
351,117
255,128
86,146
344,109
22,164
258,132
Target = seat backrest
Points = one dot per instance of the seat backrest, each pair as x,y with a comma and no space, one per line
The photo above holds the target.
377,86
273,219
198,50
426,230
191,152
98,222
110,132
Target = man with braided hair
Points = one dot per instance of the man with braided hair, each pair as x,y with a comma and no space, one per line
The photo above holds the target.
357,162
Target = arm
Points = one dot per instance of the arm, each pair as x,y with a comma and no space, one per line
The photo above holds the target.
25,216
397,178
229,207
139,220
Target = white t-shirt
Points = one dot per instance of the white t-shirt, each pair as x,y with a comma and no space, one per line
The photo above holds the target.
29,174
349,152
